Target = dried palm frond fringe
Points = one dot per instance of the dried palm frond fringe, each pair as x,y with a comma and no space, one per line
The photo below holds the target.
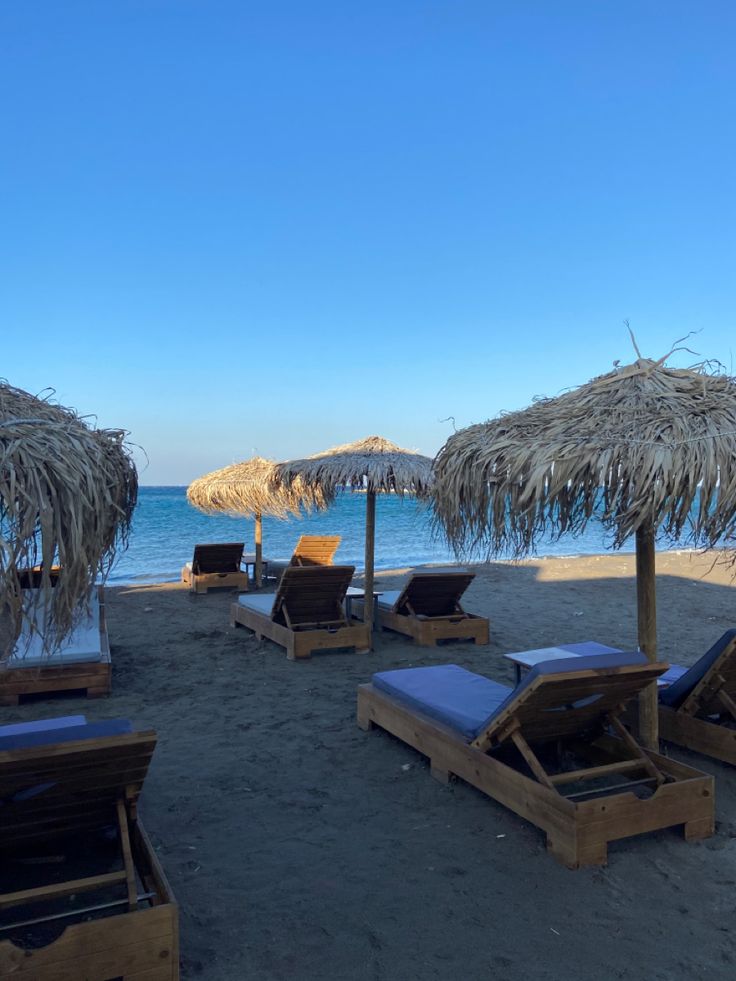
644,445
67,495
372,464
249,489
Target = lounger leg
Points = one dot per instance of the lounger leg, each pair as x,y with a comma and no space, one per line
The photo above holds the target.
574,853
97,692
440,774
364,720
695,830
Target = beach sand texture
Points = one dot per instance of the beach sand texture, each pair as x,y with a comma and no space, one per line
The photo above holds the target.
301,848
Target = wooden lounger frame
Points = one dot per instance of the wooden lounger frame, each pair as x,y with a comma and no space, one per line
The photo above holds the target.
429,590
94,783
93,678
315,550
503,762
217,560
308,613
706,720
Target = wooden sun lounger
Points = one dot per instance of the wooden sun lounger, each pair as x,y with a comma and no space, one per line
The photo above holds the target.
428,609
85,670
315,550
306,613
698,710
216,566
553,750
65,782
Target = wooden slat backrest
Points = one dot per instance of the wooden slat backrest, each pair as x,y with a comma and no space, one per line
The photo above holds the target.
31,578
554,706
217,558
721,676
50,790
315,550
433,594
312,594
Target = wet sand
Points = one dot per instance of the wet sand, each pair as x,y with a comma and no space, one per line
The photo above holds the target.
301,848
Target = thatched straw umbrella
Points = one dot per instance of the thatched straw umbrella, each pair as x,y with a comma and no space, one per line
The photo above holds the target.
373,465
67,494
248,490
646,449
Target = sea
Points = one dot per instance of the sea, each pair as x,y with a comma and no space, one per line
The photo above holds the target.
166,528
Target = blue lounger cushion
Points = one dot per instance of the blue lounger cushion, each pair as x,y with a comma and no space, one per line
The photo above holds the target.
677,692
468,702
66,734
446,693
40,725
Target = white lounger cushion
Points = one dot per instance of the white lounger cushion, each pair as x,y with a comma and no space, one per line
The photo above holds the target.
388,600
82,645
261,604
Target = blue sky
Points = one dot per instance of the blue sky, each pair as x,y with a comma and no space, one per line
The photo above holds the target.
233,227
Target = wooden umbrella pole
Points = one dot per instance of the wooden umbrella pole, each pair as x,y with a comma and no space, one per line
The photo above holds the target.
370,541
646,602
259,551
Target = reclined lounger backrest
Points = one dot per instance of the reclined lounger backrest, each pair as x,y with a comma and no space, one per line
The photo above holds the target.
315,550
68,779
217,558
565,697
33,578
313,594
721,658
433,594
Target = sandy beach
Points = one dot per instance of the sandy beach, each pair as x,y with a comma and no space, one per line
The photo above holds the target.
300,847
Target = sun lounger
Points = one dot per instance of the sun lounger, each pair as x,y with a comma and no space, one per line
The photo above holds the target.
305,614
98,903
698,710
216,566
553,749
82,662
315,550
428,609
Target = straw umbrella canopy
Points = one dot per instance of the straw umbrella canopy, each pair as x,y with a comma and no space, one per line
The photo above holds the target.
67,495
646,449
374,465
248,490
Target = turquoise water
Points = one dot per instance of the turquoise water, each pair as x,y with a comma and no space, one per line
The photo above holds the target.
166,528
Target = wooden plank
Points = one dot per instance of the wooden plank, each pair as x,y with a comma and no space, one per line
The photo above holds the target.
699,735
132,957
594,772
60,889
127,857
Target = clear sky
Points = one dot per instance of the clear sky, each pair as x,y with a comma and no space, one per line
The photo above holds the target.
233,227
